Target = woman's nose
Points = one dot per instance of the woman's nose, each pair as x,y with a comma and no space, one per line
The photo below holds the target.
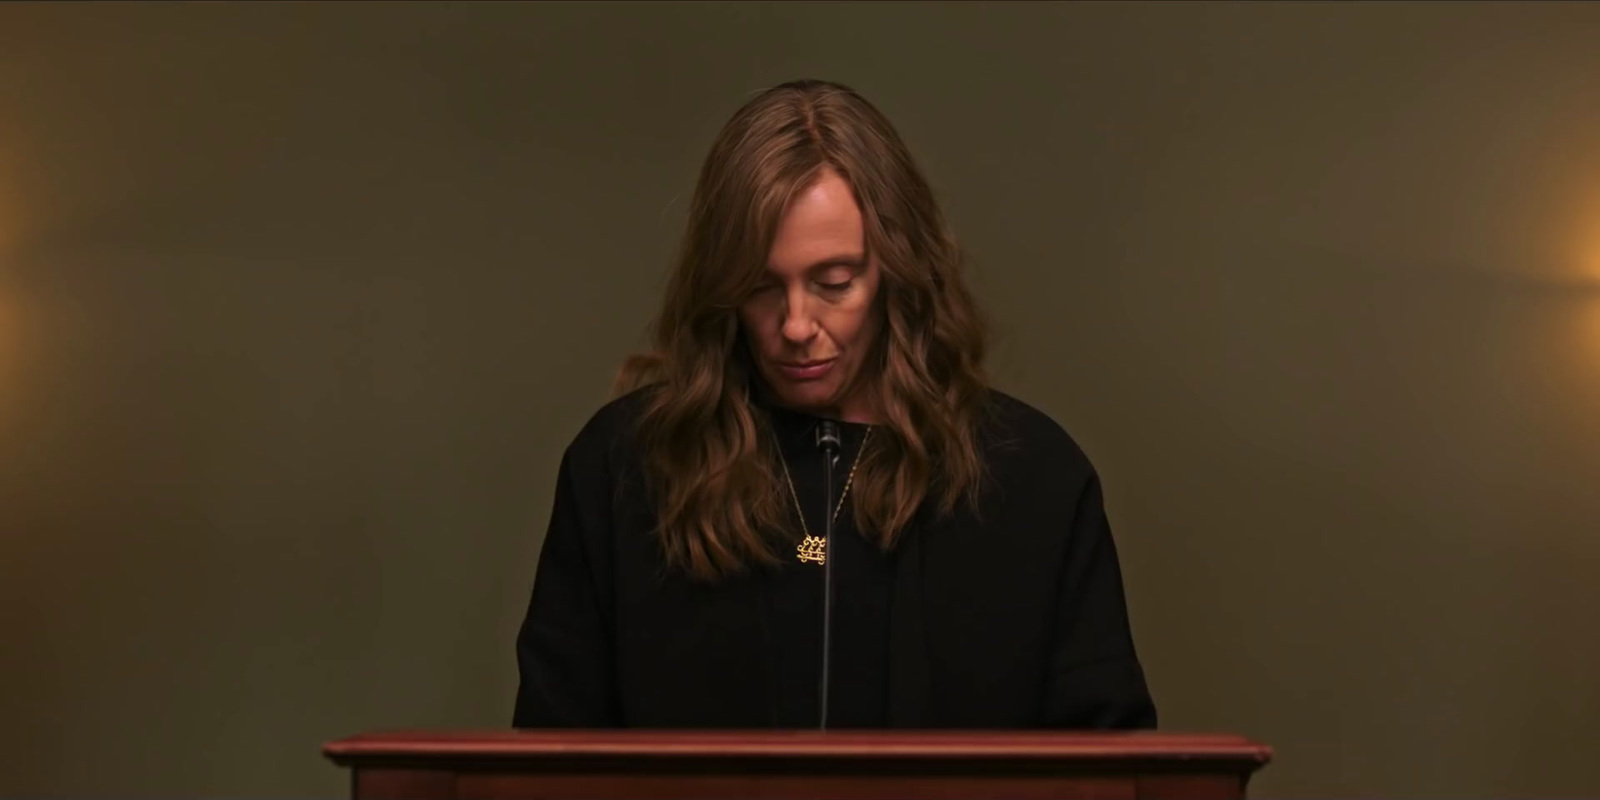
799,325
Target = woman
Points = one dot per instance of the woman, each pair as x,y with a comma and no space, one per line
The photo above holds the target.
974,582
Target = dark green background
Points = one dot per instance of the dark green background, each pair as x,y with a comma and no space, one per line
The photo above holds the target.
300,303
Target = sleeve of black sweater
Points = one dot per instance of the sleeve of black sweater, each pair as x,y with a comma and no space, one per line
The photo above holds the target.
564,651
1094,677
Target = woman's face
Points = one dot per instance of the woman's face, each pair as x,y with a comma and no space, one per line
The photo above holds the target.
812,323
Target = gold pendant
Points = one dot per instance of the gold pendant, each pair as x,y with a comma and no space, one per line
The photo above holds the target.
814,548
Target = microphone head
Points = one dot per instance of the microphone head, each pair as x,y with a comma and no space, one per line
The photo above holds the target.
828,436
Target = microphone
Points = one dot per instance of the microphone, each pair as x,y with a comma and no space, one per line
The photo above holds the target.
828,443
828,440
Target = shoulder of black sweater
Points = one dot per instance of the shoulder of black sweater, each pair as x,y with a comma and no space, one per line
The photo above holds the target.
608,435
1014,432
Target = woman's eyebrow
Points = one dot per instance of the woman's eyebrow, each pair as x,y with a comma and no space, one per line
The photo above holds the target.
841,260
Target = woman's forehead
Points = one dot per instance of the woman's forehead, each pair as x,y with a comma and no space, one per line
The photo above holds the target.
821,226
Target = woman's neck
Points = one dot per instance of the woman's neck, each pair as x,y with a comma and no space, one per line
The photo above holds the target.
860,412
859,407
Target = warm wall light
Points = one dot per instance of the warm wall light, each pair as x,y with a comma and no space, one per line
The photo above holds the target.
10,211
1591,255
1579,350
11,220
10,344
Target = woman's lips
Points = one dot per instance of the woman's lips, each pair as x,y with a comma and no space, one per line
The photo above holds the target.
806,370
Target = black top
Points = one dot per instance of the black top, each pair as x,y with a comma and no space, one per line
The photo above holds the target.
1010,617
862,581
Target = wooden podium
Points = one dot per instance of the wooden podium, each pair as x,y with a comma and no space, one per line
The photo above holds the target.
904,765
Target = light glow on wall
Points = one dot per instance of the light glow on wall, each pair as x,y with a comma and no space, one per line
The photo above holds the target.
1576,340
10,346
10,301
1589,240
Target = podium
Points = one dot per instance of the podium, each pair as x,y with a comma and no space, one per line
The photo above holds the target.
795,764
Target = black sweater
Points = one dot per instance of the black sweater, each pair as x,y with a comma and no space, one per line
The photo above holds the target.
1012,617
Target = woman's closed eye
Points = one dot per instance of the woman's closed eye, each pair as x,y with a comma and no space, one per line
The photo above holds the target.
764,289
835,279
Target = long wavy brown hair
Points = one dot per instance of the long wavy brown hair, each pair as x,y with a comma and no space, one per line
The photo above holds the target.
710,461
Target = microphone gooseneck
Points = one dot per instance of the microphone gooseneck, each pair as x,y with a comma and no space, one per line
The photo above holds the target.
828,443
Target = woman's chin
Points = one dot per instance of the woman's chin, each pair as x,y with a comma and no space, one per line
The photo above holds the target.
808,398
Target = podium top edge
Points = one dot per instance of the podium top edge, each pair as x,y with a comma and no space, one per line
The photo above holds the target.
784,744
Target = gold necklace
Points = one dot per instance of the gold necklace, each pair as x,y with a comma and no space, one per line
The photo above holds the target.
815,548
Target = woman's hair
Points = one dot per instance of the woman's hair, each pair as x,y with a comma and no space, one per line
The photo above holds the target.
709,459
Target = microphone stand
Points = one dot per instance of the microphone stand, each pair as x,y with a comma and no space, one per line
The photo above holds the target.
828,441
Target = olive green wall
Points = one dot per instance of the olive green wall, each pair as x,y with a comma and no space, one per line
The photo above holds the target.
300,303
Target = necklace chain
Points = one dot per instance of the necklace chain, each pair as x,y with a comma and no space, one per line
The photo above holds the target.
815,548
